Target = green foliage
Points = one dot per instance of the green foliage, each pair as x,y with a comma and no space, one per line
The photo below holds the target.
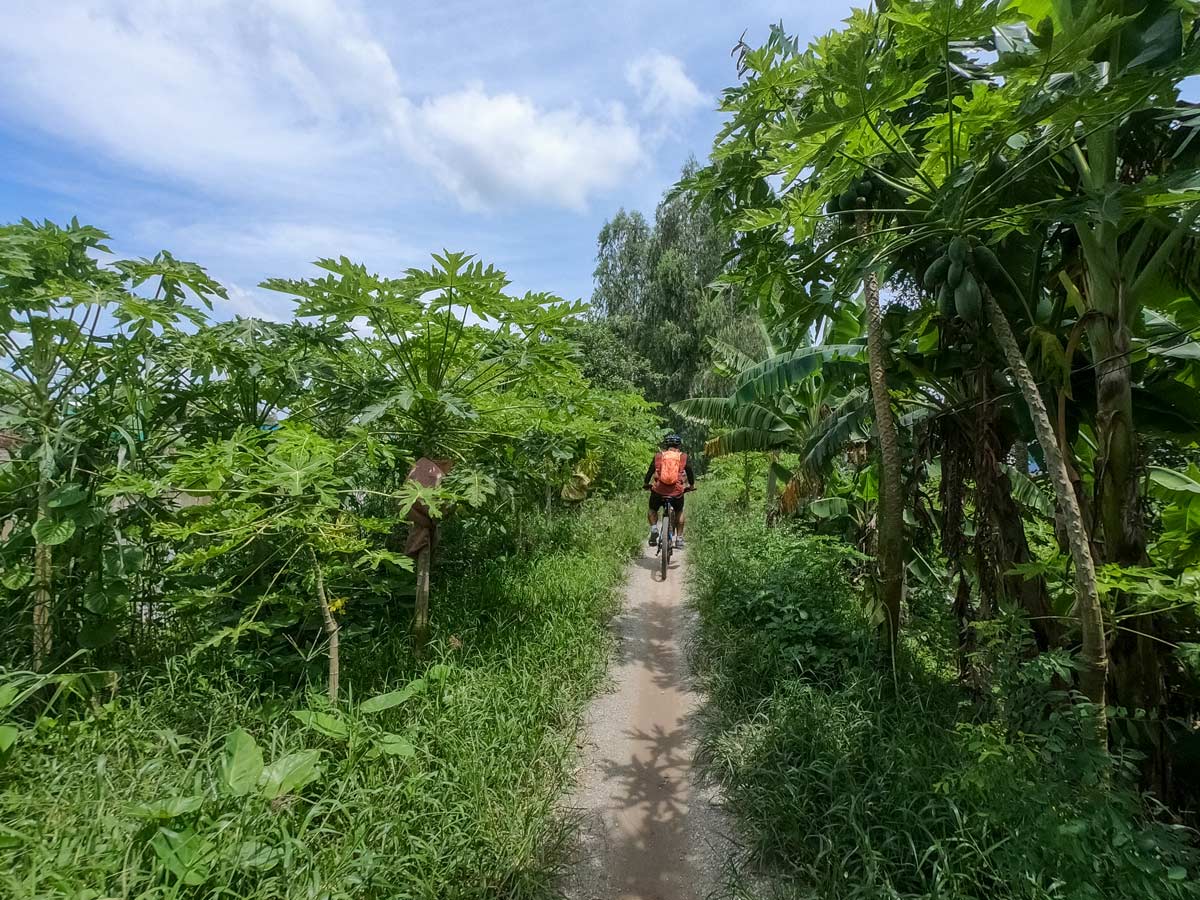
212,510
1031,154
652,291
432,775
853,781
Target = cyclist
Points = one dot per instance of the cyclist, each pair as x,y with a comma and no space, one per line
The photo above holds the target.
670,475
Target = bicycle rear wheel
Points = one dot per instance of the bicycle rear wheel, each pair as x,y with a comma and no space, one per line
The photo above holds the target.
667,542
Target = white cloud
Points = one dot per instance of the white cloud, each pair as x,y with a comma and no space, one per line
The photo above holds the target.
254,304
490,148
284,248
287,98
663,86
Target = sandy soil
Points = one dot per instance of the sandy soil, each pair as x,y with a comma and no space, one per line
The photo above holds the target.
649,831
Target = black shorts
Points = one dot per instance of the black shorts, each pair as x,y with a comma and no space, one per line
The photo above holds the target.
657,500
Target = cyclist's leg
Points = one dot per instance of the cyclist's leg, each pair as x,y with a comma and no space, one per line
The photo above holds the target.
652,517
680,520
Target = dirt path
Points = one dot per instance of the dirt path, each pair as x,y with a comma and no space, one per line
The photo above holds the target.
649,832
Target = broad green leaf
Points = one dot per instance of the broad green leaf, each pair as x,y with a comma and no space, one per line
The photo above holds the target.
1174,480
51,532
241,763
67,495
396,745
325,723
829,507
372,559
775,375
438,673
14,581
1027,492
381,702
402,400
167,808
8,736
185,853
290,773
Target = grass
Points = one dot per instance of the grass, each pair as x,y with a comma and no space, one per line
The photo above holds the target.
131,801
851,779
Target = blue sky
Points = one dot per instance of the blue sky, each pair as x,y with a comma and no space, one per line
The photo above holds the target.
256,135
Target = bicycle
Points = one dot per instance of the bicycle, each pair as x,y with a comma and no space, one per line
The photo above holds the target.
666,544
669,517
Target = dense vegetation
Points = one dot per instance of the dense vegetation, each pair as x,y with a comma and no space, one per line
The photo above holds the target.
220,673
309,609
970,231
657,318
856,778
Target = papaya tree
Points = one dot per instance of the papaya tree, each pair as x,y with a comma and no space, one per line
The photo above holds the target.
281,526
437,362
76,339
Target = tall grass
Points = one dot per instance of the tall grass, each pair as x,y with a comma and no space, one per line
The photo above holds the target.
853,779
519,647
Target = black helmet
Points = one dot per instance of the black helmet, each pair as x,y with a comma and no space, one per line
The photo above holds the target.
672,440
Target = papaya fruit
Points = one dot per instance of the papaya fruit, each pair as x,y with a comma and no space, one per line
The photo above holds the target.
936,273
958,250
848,199
866,187
968,301
954,274
833,207
987,265
946,301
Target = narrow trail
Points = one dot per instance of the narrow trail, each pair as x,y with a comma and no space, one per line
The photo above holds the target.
649,831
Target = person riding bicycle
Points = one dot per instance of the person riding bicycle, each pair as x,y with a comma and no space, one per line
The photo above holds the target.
669,476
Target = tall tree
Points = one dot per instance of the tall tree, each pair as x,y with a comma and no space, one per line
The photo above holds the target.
654,288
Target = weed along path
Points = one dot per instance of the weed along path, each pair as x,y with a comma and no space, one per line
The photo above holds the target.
649,830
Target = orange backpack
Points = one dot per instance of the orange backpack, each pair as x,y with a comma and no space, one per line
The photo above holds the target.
670,465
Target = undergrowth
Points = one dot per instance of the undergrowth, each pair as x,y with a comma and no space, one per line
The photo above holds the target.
445,789
851,778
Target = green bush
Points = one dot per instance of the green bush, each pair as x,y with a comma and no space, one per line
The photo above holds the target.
853,780
450,792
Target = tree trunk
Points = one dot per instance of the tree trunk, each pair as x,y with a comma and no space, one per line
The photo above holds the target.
891,502
43,574
1136,661
1087,599
421,615
331,632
